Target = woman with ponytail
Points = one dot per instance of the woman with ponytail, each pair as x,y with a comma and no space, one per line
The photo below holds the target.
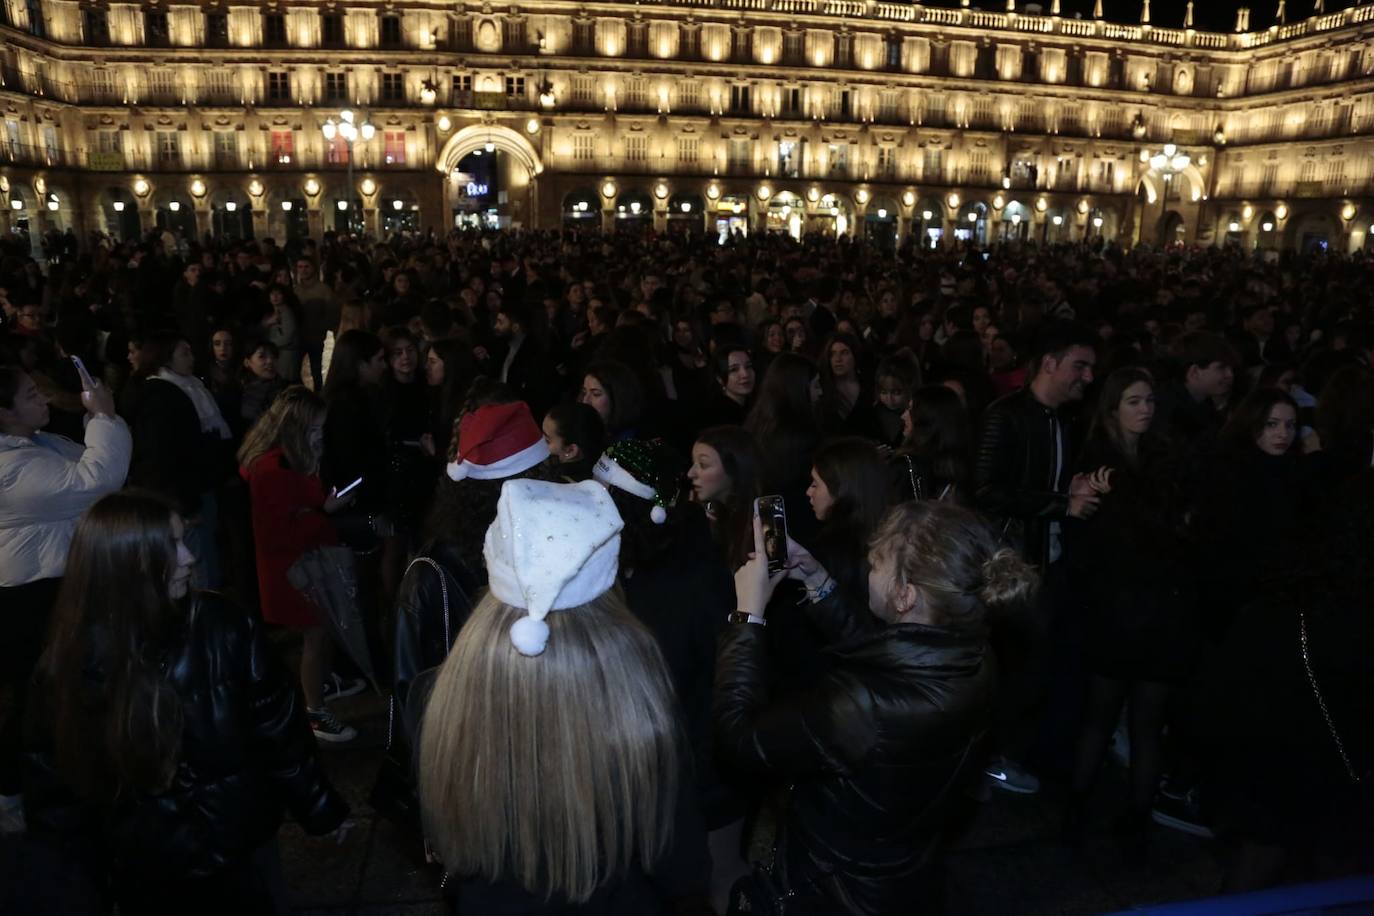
877,751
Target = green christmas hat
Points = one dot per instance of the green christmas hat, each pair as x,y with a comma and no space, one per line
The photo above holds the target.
646,468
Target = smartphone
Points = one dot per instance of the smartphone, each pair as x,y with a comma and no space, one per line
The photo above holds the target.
86,381
773,515
345,490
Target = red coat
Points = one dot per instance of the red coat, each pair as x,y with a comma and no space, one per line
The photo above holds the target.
288,520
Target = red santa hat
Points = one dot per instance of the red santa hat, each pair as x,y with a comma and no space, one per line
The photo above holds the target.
497,441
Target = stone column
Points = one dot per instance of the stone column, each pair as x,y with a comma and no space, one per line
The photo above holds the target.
204,223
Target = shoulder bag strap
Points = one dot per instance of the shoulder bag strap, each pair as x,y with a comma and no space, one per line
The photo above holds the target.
1321,701
443,590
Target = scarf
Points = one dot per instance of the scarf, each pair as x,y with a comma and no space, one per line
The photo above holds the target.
211,420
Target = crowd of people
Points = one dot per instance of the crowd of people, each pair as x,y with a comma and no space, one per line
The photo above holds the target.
1043,506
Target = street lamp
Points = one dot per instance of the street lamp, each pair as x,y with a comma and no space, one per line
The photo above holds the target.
350,130
1170,161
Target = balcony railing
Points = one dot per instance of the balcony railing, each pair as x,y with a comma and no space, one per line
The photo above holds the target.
35,155
31,82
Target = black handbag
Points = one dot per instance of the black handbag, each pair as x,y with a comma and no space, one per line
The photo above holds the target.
395,794
767,889
760,892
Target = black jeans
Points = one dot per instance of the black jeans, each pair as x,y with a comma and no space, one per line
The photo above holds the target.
1025,644
25,611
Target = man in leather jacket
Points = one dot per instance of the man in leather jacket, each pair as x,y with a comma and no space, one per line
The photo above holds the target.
1024,481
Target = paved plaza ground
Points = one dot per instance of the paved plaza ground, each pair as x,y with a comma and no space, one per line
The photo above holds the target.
1006,861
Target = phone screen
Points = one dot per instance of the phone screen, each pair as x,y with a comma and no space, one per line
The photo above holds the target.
86,381
773,515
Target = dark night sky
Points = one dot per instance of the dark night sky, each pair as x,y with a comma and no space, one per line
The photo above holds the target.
1214,15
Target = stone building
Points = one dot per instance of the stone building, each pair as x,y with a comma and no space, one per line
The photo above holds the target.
860,116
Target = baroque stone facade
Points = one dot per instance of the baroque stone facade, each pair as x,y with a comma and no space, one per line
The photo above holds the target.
865,116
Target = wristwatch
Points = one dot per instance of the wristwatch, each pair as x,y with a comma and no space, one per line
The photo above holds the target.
742,617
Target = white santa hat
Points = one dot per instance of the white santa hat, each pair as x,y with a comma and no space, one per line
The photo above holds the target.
497,441
553,546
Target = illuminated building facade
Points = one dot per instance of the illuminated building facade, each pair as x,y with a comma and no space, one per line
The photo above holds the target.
863,116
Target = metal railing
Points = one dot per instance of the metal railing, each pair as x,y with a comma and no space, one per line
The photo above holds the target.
36,155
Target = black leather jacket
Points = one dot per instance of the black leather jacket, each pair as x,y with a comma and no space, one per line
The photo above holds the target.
422,636
247,754
1014,471
876,750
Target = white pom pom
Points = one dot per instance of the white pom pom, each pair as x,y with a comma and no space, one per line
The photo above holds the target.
658,514
456,471
529,635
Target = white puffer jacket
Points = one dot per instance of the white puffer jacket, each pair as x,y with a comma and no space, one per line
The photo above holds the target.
46,483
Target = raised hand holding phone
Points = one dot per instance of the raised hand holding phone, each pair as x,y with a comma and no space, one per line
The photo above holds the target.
87,382
96,398
772,515
339,499
754,581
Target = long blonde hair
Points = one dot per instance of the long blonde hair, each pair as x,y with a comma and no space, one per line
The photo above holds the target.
557,772
286,423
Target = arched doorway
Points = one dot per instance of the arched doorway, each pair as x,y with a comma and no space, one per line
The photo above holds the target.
58,204
119,212
880,223
1015,222
1234,230
474,191
231,214
287,216
732,215
1172,229
786,213
343,215
972,225
492,177
581,208
400,212
23,209
834,216
634,212
1057,227
928,222
1313,232
172,211
684,213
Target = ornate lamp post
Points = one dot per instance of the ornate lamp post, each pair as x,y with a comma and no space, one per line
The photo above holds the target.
348,128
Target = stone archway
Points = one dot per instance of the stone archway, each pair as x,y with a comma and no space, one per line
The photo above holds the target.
477,136
518,174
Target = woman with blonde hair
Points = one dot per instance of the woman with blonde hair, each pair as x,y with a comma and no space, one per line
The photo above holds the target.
880,746
280,459
550,760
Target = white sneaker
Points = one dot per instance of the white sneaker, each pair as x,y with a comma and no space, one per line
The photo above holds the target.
337,688
1010,777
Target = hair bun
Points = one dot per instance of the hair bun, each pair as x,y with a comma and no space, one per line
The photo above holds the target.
1007,579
